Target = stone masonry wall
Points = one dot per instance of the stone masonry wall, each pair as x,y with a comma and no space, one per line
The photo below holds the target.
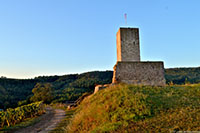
128,48
139,73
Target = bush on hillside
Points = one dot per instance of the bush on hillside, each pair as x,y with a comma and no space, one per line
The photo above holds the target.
19,114
42,92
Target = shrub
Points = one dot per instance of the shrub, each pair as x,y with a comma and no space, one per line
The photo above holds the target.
16,115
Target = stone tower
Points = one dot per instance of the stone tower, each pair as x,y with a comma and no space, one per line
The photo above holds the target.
128,47
129,69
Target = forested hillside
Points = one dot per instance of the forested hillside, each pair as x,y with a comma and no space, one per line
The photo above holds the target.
70,87
67,87
182,75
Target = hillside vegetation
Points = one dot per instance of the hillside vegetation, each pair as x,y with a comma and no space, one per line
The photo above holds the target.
182,75
66,87
13,116
70,87
139,109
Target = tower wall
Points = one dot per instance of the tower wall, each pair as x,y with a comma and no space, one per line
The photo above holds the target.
139,73
128,45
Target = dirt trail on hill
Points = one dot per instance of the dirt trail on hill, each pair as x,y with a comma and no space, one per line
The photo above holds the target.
48,122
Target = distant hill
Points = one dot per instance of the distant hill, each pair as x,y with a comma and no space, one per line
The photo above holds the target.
70,87
67,87
182,75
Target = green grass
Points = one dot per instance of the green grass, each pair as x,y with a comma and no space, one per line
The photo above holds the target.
128,108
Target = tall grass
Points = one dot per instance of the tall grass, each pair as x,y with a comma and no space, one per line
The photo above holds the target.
131,108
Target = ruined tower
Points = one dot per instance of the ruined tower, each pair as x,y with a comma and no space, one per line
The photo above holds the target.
129,69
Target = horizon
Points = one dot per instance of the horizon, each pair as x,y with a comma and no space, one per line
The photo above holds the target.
65,37
79,73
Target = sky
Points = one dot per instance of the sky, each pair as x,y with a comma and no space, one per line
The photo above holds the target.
58,37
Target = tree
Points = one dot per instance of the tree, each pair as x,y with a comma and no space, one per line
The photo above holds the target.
42,92
3,98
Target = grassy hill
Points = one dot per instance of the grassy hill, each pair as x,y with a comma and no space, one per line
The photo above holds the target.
139,109
118,108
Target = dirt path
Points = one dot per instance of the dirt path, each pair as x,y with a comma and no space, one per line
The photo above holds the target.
48,122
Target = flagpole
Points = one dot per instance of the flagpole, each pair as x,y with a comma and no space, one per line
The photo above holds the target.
125,16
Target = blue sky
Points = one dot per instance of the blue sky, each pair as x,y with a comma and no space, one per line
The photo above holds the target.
56,37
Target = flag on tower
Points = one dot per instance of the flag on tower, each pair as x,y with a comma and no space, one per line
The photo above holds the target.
125,16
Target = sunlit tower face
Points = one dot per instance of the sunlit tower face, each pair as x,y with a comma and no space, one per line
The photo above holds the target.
128,46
